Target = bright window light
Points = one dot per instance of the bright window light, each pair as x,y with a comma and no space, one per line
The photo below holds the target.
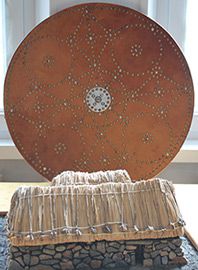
191,44
2,52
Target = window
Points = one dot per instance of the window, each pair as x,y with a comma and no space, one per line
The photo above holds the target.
18,18
191,44
2,51
177,16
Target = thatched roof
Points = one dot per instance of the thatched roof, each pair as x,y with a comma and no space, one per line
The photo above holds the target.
85,212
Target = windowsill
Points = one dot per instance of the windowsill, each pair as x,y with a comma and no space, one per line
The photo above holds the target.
187,154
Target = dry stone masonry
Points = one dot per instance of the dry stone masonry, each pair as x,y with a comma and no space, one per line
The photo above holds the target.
98,255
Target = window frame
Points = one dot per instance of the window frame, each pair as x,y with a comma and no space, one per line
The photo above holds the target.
3,62
159,10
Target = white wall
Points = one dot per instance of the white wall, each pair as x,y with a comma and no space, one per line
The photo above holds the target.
20,170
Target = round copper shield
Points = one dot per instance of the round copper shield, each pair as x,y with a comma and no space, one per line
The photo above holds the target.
98,87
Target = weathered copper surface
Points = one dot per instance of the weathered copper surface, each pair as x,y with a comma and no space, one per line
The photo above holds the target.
98,87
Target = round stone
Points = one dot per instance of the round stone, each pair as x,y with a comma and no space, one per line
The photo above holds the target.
68,86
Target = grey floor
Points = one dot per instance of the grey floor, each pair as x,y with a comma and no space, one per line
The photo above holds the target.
190,253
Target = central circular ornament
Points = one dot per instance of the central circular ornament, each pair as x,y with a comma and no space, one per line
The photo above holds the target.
98,99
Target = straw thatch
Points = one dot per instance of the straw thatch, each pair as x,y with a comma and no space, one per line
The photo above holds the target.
85,213
94,178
